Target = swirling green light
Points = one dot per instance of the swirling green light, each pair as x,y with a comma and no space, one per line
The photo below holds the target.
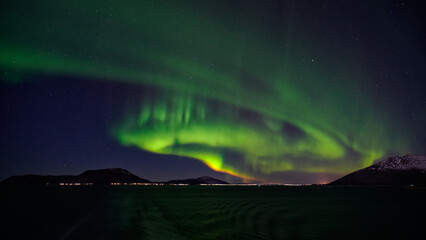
230,97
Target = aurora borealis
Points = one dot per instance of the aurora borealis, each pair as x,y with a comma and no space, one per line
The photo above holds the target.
255,89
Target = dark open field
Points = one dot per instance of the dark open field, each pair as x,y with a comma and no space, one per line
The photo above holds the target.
211,212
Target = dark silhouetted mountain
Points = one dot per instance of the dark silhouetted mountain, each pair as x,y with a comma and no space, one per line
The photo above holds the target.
110,175
406,170
101,176
197,181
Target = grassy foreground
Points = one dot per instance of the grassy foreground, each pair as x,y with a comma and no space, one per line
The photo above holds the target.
211,212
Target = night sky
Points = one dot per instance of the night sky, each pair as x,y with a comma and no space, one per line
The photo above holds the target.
280,91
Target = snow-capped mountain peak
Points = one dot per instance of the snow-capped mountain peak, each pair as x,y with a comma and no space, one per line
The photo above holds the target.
401,163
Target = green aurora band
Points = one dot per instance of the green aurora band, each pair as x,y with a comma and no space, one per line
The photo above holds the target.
225,88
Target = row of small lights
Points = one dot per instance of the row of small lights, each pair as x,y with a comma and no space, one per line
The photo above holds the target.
185,184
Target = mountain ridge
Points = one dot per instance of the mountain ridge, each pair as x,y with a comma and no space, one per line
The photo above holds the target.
101,176
98,176
397,170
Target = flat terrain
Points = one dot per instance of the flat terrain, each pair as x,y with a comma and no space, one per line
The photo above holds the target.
211,212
